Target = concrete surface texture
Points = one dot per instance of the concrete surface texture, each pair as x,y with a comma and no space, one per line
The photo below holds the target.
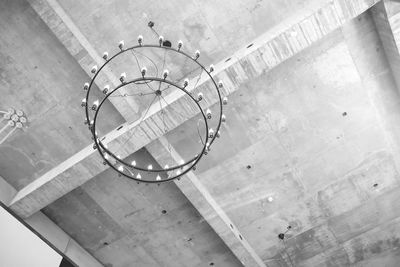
311,140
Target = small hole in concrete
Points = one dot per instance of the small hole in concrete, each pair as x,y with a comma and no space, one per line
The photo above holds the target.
105,244
248,167
164,212
375,185
227,59
250,45
344,114
211,264
120,127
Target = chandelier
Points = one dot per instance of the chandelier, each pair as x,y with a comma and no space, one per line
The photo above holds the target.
154,81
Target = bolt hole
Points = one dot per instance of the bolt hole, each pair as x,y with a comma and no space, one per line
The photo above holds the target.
105,244
248,167
211,264
375,185
250,45
344,114
164,212
227,59
120,127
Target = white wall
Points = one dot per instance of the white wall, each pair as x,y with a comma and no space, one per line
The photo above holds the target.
19,247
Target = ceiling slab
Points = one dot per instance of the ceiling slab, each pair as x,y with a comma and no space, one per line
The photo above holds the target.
270,50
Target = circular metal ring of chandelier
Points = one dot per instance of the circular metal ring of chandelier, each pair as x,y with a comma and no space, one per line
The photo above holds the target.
130,169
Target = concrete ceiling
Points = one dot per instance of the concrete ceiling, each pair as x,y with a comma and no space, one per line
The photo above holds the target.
311,140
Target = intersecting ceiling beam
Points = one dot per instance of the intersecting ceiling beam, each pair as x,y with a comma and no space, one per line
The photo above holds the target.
277,45
81,49
386,16
202,200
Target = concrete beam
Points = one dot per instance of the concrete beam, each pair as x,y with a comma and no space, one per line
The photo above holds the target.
277,45
202,200
386,16
79,47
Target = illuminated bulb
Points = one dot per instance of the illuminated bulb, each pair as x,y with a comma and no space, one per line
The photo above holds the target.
185,83
144,70
223,118
94,69
211,133
83,104
225,100
197,54
105,55
106,156
122,77
150,167
208,114
133,163
165,74
86,86
208,146
270,199
218,134
211,68
105,89
180,44
178,172
18,125
121,168
138,176
95,105
121,44
220,84
22,119
140,39
160,40
199,96
158,178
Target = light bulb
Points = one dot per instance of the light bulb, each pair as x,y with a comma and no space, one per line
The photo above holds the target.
121,44
199,96
225,100
84,101
138,176
95,105
211,68
105,89
121,168
160,40
178,172
165,74
133,163
122,77
181,162
218,134
208,114
105,55
180,44
150,167
211,133
22,119
140,39
144,70
94,69
185,83
158,178
166,166
220,84
197,54
270,199
223,118
86,86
